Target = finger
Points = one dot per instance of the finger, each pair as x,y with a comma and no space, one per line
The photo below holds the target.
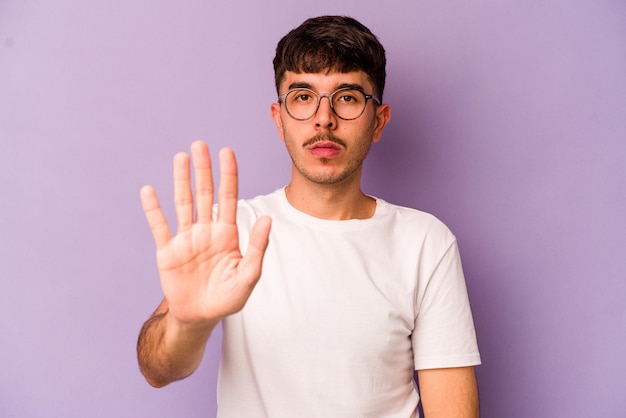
154,216
204,181
183,199
252,261
227,194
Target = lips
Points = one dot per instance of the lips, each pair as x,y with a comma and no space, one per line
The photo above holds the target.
325,149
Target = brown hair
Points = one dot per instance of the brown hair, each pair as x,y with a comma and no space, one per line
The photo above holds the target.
331,43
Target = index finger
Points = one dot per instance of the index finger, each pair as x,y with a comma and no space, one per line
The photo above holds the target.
227,194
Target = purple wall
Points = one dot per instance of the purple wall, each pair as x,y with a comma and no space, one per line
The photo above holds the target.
509,123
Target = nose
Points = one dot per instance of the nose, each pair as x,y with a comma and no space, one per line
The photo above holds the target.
325,117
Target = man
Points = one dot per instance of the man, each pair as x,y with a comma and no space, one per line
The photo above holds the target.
330,313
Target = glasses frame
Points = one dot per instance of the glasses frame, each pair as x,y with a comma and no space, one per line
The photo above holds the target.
329,96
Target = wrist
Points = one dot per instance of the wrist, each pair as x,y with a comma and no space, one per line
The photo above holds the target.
187,331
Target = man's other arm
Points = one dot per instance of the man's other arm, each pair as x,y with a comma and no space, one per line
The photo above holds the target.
449,393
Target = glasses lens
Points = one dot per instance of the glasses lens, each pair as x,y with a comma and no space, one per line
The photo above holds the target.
301,103
349,103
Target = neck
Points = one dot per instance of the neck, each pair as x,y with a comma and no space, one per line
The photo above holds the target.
332,202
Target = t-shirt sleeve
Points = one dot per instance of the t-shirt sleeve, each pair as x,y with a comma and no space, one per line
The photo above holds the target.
444,334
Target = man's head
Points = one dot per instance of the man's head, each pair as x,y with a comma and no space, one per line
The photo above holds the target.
331,44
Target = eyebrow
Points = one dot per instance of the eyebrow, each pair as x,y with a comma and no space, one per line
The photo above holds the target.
304,85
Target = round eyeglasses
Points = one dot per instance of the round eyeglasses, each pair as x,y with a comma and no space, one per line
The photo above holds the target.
347,103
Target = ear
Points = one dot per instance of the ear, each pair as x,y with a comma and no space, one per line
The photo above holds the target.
383,116
275,112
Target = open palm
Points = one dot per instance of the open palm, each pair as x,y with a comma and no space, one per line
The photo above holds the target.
203,274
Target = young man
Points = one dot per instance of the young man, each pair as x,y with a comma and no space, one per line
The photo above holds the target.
329,298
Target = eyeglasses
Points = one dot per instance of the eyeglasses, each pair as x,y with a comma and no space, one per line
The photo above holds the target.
347,103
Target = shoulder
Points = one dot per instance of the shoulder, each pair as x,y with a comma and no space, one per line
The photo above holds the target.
413,222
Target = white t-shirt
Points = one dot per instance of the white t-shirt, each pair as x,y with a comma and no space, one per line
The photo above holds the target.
343,314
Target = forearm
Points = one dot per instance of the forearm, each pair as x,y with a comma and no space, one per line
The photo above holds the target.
168,351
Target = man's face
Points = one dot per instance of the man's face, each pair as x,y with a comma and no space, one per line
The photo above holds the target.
324,148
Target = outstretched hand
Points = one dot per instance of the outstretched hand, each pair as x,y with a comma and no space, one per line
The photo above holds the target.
203,274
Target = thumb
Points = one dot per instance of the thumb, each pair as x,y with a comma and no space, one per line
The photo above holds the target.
252,260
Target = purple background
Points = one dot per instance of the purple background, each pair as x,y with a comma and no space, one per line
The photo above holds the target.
509,122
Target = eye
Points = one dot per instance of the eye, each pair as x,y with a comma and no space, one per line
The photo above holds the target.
348,97
301,96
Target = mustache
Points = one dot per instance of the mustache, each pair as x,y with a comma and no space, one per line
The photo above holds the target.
329,137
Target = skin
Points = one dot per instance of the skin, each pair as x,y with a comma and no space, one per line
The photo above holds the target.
329,186
204,276
451,392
